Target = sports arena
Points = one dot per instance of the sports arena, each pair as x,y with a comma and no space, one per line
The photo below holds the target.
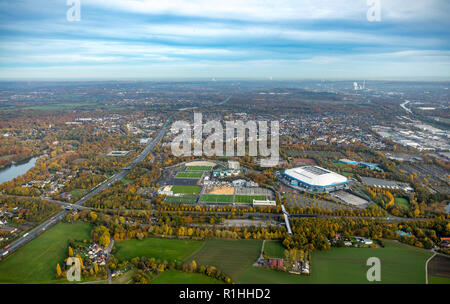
315,179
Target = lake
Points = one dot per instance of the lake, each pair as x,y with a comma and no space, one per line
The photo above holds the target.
12,172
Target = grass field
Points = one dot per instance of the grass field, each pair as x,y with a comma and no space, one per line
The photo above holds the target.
348,174
219,198
438,280
77,193
194,175
399,264
36,261
199,168
248,199
187,199
400,201
234,258
163,249
274,249
178,277
186,189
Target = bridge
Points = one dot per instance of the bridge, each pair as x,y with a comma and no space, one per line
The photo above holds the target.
286,219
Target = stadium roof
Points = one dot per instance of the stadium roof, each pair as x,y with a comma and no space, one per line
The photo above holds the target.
315,176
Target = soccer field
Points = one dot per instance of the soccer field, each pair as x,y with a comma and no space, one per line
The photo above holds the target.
194,175
186,189
36,261
199,168
217,198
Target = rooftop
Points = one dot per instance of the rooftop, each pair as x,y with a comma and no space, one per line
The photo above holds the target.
316,176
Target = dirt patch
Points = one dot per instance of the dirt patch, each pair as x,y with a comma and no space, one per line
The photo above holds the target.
439,266
222,190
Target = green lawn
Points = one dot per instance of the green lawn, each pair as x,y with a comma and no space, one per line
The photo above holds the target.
178,277
232,257
186,189
199,168
400,201
36,261
274,249
348,174
126,181
217,198
158,248
77,193
187,199
399,264
193,175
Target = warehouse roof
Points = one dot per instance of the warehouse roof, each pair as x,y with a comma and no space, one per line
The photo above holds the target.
315,176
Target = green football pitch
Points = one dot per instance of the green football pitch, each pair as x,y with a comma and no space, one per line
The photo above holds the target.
194,175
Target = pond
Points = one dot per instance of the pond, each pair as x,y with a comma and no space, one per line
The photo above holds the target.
12,172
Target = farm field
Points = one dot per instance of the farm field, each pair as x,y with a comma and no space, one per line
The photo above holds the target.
36,261
199,168
186,189
193,175
274,249
221,198
400,263
178,277
158,248
187,199
438,280
233,257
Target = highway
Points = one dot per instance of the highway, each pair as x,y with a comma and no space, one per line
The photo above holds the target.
32,234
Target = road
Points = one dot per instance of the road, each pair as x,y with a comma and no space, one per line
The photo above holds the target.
32,234
403,105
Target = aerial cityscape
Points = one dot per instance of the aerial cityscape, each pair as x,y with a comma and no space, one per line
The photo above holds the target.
224,145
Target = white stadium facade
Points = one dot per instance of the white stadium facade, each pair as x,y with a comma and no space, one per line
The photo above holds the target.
315,179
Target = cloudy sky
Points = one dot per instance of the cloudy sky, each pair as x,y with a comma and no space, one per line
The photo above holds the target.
283,39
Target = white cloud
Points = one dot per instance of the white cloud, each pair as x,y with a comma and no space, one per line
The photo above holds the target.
279,9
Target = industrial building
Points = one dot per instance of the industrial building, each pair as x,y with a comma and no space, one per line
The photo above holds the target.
314,179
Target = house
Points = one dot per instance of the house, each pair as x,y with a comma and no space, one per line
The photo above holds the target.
7,229
445,242
277,263
403,233
364,240
239,182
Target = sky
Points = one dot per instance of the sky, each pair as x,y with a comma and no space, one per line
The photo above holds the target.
206,39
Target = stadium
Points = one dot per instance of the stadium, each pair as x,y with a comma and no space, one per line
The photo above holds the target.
315,179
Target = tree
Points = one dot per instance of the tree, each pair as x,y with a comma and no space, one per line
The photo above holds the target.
193,265
95,267
58,270
70,251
